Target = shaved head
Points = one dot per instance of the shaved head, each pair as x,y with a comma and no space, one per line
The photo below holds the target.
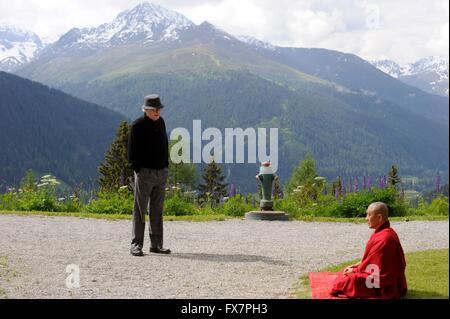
379,208
377,214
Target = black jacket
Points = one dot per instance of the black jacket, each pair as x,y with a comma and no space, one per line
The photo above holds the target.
148,145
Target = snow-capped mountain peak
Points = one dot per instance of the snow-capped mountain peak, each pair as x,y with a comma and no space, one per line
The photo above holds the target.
431,63
17,47
429,74
256,42
147,22
390,67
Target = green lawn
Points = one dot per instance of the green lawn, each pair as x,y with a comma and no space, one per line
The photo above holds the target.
426,274
216,217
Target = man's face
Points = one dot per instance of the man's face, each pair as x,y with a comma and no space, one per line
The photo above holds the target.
153,114
374,219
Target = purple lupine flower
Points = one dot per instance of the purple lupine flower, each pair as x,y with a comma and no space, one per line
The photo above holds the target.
336,192
232,190
350,186
122,180
438,183
221,200
342,190
281,195
364,182
383,182
369,183
356,184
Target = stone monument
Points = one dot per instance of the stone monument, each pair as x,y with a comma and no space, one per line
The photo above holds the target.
266,177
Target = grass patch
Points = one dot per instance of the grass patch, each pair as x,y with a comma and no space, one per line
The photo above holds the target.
426,274
362,220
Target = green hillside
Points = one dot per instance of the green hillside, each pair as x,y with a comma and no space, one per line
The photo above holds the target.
50,132
348,134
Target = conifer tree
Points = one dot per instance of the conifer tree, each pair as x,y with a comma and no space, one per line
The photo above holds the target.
183,174
337,186
115,170
303,174
393,178
214,187
29,182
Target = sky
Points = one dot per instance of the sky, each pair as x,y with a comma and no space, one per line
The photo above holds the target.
401,30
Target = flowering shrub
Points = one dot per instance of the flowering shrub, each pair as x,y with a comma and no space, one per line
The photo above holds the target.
236,206
178,206
120,202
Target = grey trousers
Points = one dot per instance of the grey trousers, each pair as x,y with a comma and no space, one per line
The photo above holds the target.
149,192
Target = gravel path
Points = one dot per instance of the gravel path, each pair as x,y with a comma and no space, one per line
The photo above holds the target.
230,259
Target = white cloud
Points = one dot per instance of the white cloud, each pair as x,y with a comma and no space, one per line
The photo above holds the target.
439,40
402,30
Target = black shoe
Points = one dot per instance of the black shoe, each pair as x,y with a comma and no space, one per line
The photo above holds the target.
136,251
160,250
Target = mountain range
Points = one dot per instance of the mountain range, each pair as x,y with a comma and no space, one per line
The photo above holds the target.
429,74
17,47
354,119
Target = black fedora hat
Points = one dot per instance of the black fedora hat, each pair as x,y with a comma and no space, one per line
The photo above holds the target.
152,102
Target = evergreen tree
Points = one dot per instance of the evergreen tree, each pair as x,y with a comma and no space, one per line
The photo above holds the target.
304,173
28,182
214,187
393,178
183,174
115,170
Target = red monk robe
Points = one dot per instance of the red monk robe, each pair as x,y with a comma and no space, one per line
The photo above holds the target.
385,251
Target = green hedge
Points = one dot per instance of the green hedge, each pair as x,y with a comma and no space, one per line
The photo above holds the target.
350,205
111,203
121,202
236,206
177,206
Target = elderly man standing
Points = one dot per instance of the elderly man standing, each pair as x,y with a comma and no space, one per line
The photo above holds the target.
148,154
381,272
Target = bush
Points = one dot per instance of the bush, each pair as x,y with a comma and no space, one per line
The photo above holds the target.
289,205
120,202
178,206
439,206
325,206
36,201
236,206
352,205
9,201
208,210
71,206
355,204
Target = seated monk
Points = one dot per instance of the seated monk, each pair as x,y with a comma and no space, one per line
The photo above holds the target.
381,272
